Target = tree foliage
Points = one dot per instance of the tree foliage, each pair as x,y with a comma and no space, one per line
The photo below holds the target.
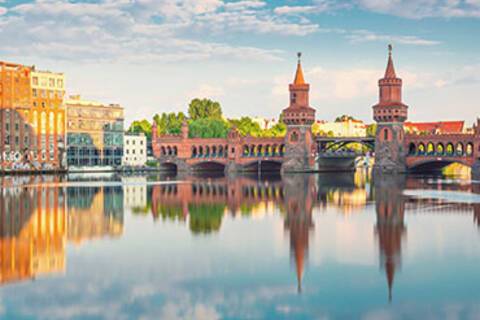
204,109
141,126
344,118
169,123
208,128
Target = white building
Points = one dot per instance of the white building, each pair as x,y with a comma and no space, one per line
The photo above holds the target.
134,150
134,192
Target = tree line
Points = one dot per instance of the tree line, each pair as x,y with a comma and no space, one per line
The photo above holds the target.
205,120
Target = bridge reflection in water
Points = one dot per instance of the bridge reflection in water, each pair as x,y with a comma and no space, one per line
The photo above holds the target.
40,216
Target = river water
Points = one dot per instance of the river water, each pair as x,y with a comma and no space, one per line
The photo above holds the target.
324,246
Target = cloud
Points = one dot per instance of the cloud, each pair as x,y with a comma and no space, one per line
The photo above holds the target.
418,9
3,11
170,30
358,36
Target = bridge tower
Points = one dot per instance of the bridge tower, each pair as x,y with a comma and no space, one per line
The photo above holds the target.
299,117
390,113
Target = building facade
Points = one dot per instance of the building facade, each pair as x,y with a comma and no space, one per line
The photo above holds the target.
346,128
134,150
94,133
32,118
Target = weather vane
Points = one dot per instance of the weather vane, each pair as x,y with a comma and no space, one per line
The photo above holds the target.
390,48
299,55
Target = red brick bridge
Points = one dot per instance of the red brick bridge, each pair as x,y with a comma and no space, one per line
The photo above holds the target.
395,150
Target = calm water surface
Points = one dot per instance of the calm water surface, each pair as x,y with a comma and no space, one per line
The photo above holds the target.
342,246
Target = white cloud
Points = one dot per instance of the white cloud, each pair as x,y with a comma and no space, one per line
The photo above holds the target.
417,9
3,11
358,36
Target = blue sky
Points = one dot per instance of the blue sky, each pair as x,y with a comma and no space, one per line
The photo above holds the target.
154,56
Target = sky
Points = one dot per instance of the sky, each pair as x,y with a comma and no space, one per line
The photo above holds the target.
155,56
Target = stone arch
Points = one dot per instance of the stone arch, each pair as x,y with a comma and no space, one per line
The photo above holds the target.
282,150
194,152
225,151
220,151
175,150
214,151
294,136
268,150
200,151
164,152
421,149
207,151
469,149
430,148
412,149
274,150
450,149
259,150
440,149
459,149
386,134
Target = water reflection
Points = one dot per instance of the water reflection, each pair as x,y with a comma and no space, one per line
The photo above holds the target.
41,217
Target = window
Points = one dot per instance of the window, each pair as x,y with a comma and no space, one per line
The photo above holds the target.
34,92
385,134
35,80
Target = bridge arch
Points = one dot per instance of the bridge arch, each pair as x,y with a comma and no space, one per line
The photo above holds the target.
214,166
440,149
459,149
168,166
412,148
434,165
263,166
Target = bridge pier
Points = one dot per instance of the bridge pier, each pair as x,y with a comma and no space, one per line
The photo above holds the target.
476,170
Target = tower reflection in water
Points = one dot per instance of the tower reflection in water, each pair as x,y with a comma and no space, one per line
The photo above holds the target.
38,218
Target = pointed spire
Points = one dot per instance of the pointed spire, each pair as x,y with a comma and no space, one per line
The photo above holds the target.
299,74
299,261
390,270
390,72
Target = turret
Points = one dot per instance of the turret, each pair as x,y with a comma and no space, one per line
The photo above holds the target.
390,107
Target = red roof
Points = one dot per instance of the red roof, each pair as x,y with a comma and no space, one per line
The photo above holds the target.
436,127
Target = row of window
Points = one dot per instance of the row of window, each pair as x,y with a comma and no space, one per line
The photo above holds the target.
127,151
51,82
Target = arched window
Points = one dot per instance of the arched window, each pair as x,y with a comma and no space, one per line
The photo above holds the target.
194,152
430,149
294,136
440,149
459,149
385,134
421,149
469,150
412,149
450,150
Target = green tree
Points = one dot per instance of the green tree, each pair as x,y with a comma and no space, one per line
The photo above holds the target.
343,118
246,126
372,130
141,126
169,123
208,128
203,109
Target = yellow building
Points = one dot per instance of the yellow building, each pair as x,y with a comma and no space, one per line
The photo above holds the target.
345,128
48,116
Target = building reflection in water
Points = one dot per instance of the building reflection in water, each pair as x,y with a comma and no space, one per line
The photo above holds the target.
37,218
32,230
390,228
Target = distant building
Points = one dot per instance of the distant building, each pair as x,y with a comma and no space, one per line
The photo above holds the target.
94,133
345,128
439,127
32,118
134,150
265,123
